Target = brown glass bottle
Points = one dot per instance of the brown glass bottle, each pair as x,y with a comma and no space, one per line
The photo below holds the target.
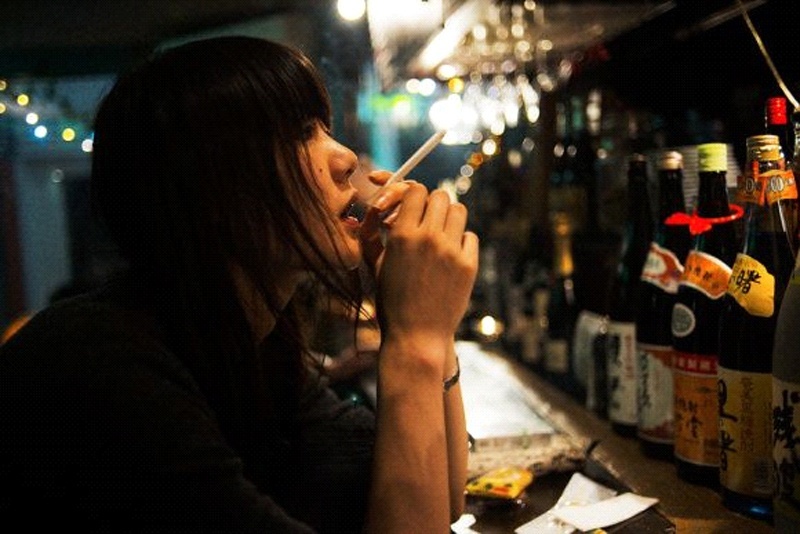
621,331
660,277
695,323
747,328
561,311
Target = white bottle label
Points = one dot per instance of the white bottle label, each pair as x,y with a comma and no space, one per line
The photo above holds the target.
587,327
786,445
655,393
622,381
662,268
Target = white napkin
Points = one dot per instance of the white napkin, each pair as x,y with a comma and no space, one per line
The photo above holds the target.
462,525
579,491
604,513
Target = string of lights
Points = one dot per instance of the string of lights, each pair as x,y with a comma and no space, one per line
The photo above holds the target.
43,119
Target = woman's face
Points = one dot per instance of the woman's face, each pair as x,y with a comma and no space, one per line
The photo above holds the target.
332,165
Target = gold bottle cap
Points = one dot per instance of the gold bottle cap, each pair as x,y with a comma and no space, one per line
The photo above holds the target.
712,157
671,161
764,148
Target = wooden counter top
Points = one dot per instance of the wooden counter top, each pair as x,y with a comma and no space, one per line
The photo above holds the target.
690,508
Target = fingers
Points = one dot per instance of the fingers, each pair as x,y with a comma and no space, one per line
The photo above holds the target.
413,206
436,210
456,221
379,177
470,246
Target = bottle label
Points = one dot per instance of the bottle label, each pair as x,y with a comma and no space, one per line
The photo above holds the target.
745,432
587,327
556,356
656,410
786,445
662,269
683,320
707,274
752,286
770,186
696,408
621,362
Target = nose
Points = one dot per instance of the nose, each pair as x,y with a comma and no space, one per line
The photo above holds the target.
345,164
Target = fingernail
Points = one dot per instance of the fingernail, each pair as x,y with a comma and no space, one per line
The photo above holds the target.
391,217
381,201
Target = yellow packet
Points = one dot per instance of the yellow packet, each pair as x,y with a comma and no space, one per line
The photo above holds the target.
503,483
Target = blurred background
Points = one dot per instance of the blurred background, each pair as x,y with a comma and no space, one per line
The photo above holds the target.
543,102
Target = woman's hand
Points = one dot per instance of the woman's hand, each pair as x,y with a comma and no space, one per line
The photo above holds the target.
388,200
427,271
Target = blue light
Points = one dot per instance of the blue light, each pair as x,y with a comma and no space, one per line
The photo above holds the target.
40,132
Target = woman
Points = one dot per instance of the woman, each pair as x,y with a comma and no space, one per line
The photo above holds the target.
181,396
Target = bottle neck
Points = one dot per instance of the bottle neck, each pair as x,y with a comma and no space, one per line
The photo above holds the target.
563,265
638,202
712,198
670,197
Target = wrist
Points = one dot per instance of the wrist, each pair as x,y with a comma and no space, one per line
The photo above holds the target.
453,378
412,361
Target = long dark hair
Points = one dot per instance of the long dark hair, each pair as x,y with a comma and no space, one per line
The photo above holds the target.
197,164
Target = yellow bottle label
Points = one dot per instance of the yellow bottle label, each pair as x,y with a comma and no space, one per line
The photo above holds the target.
696,409
745,432
707,274
786,445
752,286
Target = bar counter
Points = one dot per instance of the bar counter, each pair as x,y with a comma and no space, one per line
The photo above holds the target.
613,460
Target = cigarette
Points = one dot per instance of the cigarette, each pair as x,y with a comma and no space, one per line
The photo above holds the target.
415,158
359,208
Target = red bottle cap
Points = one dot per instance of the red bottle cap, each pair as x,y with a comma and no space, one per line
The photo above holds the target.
776,111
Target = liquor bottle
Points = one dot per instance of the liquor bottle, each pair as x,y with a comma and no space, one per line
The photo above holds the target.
660,277
621,330
695,322
535,294
786,410
747,327
561,310
786,392
594,272
793,161
777,122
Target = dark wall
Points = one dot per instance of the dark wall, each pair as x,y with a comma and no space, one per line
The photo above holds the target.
708,82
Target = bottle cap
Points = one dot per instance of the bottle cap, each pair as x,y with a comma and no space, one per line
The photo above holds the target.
764,148
764,139
671,160
712,157
776,111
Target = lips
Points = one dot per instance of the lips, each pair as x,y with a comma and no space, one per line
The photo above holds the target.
353,210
